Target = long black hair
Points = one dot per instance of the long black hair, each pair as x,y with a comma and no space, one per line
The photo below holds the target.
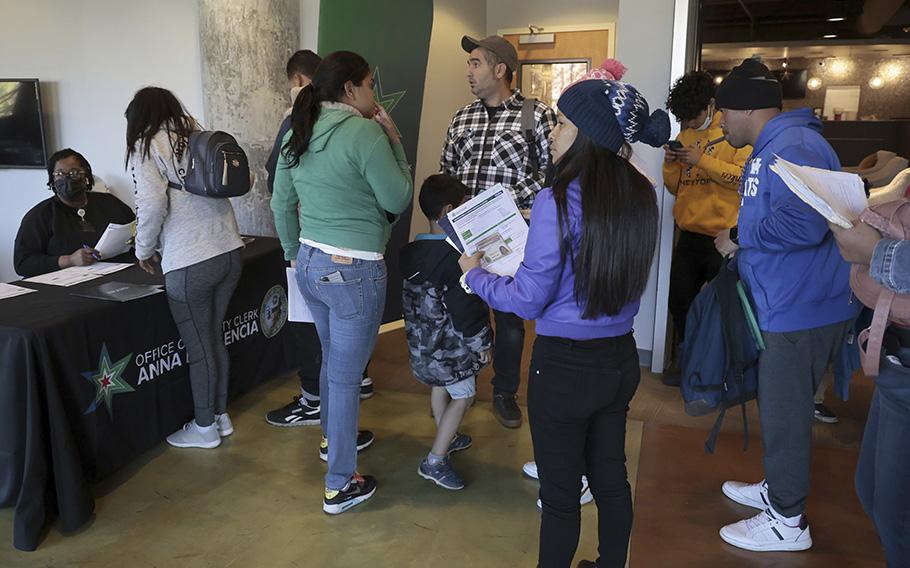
152,109
328,86
619,222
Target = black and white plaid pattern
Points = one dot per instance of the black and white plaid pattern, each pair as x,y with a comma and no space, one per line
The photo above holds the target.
482,153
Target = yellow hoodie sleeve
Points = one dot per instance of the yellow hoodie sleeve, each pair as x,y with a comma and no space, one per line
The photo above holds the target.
724,173
672,175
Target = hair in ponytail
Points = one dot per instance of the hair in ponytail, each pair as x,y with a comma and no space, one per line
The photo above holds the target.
619,222
328,86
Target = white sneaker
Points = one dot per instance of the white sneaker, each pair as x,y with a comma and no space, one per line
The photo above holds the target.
766,533
224,424
753,495
586,496
193,435
530,469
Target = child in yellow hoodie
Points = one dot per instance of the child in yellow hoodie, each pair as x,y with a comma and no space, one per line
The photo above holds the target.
703,172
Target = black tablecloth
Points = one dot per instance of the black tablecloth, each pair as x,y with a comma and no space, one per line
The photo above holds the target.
88,385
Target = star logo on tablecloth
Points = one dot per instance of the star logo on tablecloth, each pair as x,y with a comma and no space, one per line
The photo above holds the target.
387,101
108,380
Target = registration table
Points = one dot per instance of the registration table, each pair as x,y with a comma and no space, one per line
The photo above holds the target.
88,385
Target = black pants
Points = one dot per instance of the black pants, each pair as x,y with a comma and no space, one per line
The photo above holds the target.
695,262
578,398
311,358
508,344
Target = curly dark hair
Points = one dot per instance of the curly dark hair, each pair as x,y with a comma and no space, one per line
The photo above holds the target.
691,94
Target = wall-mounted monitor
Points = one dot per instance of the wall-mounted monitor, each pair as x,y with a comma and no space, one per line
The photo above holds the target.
22,141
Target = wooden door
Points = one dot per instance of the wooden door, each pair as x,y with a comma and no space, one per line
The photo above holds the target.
546,68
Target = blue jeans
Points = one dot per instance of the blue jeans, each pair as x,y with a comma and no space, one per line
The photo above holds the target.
348,311
883,472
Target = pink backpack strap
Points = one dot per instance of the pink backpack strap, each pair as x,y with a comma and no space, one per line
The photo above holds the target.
875,334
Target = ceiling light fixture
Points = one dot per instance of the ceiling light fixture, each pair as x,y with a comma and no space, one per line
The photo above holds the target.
814,84
829,36
836,19
876,82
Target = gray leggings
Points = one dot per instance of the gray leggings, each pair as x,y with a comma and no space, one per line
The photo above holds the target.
199,296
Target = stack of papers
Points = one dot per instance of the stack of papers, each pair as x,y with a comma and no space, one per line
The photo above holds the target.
490,223
66,277
297,307
838,196
102,268
78,274
116,240
11,291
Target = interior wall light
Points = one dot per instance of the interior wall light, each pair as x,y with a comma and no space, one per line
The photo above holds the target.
892,71
840,67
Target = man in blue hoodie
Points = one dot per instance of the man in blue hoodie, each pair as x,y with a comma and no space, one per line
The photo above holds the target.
800,287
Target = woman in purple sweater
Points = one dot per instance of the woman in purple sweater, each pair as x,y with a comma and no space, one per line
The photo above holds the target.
589,251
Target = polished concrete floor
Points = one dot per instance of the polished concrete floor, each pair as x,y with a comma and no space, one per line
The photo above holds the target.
255,501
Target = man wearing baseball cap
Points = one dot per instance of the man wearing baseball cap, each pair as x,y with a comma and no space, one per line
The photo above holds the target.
486,144
799,285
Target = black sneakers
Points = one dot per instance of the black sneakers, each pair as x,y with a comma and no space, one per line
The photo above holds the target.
505,408
303,412
297,413
364,440
824,414
366,388
358,490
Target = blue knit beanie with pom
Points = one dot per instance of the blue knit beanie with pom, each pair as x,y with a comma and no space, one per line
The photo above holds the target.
612,112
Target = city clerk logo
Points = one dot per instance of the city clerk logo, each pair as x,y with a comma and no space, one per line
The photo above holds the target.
108,380
273,313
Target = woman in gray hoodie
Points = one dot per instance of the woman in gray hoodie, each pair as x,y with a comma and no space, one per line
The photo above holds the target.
194,240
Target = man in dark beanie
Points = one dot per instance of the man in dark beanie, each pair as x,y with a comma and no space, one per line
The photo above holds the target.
800,287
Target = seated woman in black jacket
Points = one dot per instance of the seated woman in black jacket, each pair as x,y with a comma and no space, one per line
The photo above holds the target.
60,231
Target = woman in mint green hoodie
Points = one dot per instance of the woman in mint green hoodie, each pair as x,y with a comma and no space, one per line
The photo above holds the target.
342,180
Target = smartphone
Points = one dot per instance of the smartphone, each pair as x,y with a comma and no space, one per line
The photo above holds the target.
675,145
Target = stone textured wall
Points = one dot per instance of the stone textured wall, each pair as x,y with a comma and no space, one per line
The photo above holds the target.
245,45
889,102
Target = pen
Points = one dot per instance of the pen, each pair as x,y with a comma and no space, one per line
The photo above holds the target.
95,255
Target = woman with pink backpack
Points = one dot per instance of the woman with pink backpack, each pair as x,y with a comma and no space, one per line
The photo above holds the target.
881,279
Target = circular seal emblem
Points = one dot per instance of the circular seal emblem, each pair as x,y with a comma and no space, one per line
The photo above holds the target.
274,311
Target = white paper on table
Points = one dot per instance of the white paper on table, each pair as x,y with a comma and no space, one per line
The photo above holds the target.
105,267
11,291
838,196
492,223
66,277
297,308
115,240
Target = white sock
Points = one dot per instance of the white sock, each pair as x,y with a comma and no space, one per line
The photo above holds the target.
309,397
791,522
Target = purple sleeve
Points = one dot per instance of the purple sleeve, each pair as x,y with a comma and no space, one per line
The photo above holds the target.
536,282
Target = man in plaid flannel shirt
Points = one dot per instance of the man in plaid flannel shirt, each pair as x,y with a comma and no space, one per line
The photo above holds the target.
484,146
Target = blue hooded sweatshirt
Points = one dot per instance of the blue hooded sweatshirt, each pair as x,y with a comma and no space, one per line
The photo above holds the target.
788,258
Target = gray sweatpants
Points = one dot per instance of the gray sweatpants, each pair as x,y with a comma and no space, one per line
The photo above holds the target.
790,370
199,296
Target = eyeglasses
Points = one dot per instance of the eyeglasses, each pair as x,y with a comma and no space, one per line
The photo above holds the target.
73,174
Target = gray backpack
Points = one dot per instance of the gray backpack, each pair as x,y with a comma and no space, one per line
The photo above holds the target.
217,166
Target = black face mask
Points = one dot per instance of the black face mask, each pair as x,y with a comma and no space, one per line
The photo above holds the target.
70,189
